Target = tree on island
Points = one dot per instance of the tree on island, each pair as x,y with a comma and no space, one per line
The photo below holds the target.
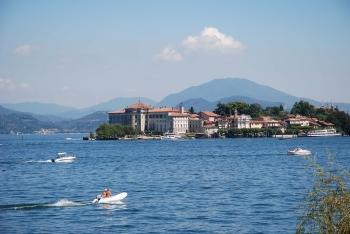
192,110
303,108
114,131
254,110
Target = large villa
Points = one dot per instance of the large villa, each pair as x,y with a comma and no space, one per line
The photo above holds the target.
148,119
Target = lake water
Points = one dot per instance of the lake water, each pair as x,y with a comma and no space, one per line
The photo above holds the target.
190,186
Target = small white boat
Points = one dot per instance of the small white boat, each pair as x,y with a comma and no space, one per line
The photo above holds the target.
63,158
299,151
286,136
170,136
110,200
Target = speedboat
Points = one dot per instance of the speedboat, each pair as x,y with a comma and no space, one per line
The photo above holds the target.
110,200
63,158
299,151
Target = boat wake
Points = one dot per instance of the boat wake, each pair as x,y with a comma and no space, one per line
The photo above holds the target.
62,203
72,139
39,161
66,203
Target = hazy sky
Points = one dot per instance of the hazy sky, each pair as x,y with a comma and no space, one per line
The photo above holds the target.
80,53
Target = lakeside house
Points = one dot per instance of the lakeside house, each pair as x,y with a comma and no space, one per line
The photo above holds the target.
161,120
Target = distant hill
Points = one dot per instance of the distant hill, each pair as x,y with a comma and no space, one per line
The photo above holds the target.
38,108
88,123
14,121
200,104
53,113
218,89
202,97
116,103
221,88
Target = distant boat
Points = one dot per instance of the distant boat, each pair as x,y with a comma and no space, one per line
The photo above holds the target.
286,136
299,151
171,136
323,133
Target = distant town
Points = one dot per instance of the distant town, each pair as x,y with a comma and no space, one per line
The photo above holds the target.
234,119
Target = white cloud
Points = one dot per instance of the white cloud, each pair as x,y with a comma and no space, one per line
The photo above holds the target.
25,50
7,84
4,83
212,39
169,54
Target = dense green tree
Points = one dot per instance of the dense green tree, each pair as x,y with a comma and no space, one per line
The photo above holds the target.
303,108
254,110
192,110
114,131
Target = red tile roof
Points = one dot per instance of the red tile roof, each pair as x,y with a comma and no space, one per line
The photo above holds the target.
178,114
117,112
139,105
210,114
165,109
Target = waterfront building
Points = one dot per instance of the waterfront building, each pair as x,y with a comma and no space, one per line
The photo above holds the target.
298,121
195,124
208,116
224,122
268,122
145,118
168,120
256,124
135,115
210,130
242,121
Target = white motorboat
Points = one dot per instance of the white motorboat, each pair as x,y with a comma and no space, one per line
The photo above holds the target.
299,151
110,200
63,158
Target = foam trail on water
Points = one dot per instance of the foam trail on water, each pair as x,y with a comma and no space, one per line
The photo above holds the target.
65,203
39,161
72,139
60,203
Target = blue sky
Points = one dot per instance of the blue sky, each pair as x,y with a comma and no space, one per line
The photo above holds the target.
80,53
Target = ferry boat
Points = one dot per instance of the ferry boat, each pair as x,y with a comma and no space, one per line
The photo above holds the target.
323,133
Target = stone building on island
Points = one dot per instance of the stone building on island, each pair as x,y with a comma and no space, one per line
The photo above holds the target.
145,118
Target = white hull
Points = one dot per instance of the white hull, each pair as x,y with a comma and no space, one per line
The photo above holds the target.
285,137
63,159
110,200
323,135
300,152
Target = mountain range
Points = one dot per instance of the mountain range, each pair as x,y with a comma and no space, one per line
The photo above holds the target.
202,97
54,112
14,121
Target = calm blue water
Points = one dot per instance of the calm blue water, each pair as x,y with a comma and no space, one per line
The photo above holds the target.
198,186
